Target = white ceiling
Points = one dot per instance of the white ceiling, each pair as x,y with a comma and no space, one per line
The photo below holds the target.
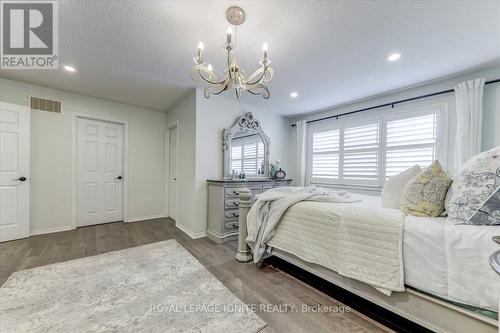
330,52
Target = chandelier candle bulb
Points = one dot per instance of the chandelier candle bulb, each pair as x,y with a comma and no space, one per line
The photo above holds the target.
229,35
209,67
200,49
264,49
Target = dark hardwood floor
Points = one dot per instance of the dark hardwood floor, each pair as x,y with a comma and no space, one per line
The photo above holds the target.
251,284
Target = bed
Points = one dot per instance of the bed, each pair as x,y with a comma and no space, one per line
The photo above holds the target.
458,274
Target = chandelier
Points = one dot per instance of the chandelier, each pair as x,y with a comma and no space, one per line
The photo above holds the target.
234,76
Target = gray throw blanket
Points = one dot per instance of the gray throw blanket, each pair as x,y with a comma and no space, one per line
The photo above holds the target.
269,206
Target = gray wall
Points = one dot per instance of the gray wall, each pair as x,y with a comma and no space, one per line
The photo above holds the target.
184,115
51,154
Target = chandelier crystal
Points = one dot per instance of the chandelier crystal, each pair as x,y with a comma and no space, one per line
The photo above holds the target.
234,76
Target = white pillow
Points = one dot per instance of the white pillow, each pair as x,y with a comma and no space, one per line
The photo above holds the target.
394,187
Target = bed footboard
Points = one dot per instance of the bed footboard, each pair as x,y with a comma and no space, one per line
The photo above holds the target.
243,253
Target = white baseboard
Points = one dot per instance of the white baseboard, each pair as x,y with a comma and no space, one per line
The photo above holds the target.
193,235
143,218
35,232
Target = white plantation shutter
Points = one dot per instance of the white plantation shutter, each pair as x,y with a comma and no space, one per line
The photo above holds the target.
410,141
367,153
260,156
236,155
325,155
247,154
361,154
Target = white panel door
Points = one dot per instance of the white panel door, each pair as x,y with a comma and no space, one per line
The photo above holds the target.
99,172
14,172
173,173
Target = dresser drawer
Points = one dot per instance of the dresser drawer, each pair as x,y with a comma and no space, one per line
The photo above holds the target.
232,192
232,225
231,203
232,213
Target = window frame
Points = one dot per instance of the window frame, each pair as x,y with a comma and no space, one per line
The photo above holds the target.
415,109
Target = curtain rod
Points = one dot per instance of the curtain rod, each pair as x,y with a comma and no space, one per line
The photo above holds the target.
391,103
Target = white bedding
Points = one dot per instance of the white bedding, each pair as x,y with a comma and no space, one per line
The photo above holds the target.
449,261
424,254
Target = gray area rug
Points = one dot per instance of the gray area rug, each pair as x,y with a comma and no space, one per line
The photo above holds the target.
158,287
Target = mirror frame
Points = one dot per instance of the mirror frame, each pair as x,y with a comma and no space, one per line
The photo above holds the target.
245,123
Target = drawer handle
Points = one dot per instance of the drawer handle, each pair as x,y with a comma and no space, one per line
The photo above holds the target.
236,193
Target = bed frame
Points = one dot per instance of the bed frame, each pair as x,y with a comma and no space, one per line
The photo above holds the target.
422,309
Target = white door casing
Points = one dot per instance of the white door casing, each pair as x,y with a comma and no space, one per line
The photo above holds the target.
99,171
173,173
14,172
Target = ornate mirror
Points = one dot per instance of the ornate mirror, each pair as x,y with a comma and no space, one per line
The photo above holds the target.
246,149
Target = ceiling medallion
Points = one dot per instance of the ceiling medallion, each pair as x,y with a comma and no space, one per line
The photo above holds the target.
234,76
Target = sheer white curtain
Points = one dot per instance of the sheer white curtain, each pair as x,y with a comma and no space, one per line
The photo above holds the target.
469,109
301,126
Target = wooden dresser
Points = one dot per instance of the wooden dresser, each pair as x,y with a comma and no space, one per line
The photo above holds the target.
223,205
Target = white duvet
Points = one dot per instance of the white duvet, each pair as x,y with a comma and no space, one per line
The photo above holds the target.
367,242
269,206
447,260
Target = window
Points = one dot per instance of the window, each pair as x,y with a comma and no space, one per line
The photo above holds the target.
326,155
410,141
367,152
361,153
247,155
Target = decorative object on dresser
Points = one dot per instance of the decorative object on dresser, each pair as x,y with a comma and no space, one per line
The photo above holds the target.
246,149
280,174
223,204
274,166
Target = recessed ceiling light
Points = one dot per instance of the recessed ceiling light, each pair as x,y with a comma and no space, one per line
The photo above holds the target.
293,94
70,68
394,57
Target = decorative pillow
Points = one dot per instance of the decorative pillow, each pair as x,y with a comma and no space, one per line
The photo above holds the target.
476,182
489,213
394,187
425,193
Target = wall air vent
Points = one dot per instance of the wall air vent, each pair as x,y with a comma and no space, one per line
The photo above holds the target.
42,104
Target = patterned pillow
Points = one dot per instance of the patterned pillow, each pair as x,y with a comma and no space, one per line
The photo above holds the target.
425,193
477,181
489,213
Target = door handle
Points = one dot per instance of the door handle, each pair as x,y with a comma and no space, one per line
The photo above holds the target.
21,179
119,177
